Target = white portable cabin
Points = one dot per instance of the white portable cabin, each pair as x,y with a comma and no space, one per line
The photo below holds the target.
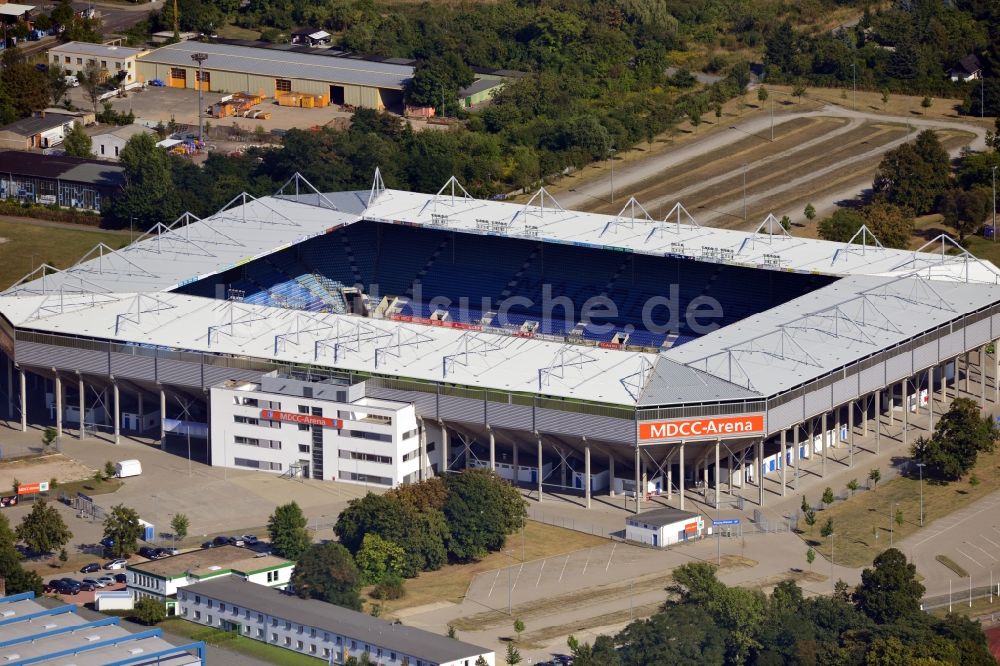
127,468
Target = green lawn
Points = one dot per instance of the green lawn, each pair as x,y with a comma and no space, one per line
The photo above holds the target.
27,245
229,641
89,487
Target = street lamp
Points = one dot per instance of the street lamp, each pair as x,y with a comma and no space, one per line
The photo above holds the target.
854,75
920,466
611,152
200,58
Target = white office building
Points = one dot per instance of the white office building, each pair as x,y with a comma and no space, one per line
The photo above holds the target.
75,57
319,629
316,428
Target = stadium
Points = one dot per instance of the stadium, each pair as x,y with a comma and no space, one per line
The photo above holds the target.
383,336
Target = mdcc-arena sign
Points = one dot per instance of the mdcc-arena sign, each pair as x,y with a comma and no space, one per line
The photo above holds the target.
723,427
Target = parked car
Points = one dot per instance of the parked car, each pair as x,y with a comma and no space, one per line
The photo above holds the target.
116,564
237,541
208,544
90,568
166,552
250,539
148,553
96,582
64,587
220,540
108,580
121,578
107,542
87,587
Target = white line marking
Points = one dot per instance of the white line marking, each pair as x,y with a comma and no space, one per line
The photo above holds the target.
992,542
563,569
971,558
984,552
518,576
587,563
613,546
953,524
540,573
494,584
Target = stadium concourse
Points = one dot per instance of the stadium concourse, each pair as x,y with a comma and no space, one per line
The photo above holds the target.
383,336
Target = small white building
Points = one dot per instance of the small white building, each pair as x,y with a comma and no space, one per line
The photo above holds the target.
319,629
663,527
161,579
74,57
968,69
108,144
317,428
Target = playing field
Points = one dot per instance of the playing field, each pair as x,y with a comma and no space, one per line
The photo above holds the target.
30,243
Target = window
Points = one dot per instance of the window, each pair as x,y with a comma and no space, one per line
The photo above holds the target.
274,637
367,457
116,151
102,152
298,645
288,640
411,433
104,64
288,625
260,633
249,420
79,61
118,65
282,85
66,59
222,607
303,448
197,615
210,602
361,434
312,649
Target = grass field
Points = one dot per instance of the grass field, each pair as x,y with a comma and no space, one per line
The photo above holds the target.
28,244
246,646
862,523
451,582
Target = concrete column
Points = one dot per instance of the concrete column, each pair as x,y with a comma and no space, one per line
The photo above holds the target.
59,405
516,466
930,403
163,416
586,470
982,377
732,473
878,418
421,446
638,467
704,478
824,441
996,372
891,395
850,429
864,417
795,453
611,474
10,388
968,370
680,480
118,412
493,449
784,464
760,471
670,475
24,400
83,405
445,465
539,475
141,413
717,475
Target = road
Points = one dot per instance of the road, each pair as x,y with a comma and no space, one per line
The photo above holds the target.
629,177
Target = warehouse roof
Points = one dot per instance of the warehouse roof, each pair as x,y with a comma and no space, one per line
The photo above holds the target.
337,620
75,169
12,9
284,64
35,125
661,517
209,561
97,50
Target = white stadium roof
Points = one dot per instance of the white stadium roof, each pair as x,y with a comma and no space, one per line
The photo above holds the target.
886,297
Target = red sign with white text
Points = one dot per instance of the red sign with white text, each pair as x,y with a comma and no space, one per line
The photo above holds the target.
302,419
708,428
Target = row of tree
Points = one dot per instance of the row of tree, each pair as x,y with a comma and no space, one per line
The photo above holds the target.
707,622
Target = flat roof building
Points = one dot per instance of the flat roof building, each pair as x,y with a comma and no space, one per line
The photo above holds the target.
34,632
319,629
34,132
230,68
107,145
73,182
662,527
75,57
161,579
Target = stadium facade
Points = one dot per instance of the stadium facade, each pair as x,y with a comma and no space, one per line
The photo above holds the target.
383,336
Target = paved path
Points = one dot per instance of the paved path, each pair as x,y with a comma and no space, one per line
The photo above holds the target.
630,176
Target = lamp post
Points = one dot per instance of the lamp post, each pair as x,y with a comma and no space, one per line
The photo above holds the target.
854,75
920,466
744,191
200,58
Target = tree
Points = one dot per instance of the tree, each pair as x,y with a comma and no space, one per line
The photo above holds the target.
695,116
786,222
437,80
805,504
77,142
481,661
891,224
926,103
960,435
853,486
43,529
899,517
122,527
810,557
903,178
391,587
326,571
513,656
965,210
762,94
827,498
885,97
91,80
287,530
452,633
379,558
22,86
827,530
48,437
810,212
481,510
874,476
518,628
799,90
148,611
57,83
109,469
810,518
841,226
890,590
179,524
149,194
428,494
63,555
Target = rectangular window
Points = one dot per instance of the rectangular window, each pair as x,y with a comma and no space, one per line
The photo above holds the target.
282,85
178,73
367,457
303,448
249,420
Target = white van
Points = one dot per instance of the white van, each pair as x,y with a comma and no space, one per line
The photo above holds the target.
127,468
71,81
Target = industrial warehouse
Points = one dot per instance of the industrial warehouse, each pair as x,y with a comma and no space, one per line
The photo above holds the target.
385,336
271,72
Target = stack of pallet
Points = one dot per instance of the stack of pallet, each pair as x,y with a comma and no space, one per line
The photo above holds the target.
303,100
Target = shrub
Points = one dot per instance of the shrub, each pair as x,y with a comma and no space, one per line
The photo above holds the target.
391,587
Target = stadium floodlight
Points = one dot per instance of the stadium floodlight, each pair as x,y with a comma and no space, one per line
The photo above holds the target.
200,58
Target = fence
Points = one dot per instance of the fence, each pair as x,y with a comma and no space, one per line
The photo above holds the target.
586,527
962,596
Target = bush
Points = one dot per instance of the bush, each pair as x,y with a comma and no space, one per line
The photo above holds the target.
148,611
47,213
391,587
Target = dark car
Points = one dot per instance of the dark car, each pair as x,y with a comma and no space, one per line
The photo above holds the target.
121,578
93,567
220,540
208,544
166,552
66,586
87,587
148,553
